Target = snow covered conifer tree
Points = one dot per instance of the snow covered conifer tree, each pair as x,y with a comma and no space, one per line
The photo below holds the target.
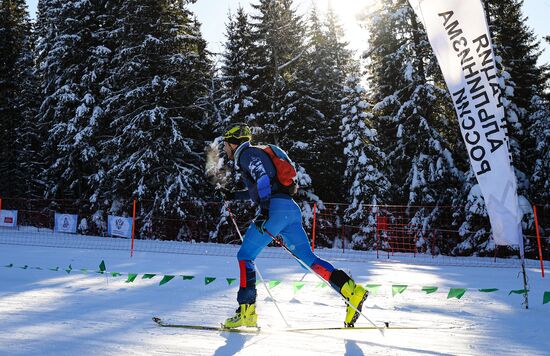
74,56
16,95
238,70
159,93
411,113
364,177
281,116
517,51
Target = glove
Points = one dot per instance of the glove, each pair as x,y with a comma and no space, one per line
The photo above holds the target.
261,219
226,194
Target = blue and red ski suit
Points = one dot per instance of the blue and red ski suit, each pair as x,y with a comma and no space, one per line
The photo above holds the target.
285,219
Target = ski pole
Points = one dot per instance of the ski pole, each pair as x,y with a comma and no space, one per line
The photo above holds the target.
258,270
321,278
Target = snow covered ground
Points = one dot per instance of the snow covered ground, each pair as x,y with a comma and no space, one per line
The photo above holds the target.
47,312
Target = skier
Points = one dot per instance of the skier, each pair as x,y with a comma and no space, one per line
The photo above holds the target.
280,215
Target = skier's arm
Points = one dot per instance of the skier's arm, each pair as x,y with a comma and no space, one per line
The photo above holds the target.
258,172
251,161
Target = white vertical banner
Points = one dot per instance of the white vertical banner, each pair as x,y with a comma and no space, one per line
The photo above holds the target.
119,226
458,33
65,223
8,218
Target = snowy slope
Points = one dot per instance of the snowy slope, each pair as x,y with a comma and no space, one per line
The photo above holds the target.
46,312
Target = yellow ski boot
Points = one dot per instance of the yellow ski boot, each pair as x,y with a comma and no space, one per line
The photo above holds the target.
245,315
356,295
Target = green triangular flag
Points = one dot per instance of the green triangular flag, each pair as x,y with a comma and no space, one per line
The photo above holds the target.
116,274
456,293
24,267
10,265
54,269
230,281
102,266
488,290
185,278
398,289
321,285
83,270
546,298
519,291
148,276
208,280
429,290
298,286
166,279
372,289
274,283
68,270
131,277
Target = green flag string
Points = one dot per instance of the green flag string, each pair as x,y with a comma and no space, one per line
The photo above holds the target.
297,286
372,289
488,290
398,289
131,277
519,291
274,283
166,279
148,276
116,274
102,266
429,290
456,293
208,280
187,278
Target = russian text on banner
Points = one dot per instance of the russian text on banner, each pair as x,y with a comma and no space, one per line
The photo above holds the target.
458,33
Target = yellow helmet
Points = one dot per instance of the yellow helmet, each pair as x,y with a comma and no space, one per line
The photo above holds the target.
238,133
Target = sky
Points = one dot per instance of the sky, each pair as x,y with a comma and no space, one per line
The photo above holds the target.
213,16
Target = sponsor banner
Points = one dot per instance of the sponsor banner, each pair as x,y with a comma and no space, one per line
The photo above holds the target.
8,218
119,226
458,33
65,223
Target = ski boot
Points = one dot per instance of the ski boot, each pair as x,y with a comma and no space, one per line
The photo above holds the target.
245,315
356,295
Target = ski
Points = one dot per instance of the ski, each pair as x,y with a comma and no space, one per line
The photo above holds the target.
355,328
161,323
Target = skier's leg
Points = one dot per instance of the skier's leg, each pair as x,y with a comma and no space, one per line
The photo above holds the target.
253,243
296,240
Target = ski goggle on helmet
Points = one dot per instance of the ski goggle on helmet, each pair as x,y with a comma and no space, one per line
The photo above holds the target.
237,134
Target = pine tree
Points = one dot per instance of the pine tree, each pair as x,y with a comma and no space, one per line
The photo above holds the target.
518,51
327,63
282,115
159,93
410,112
367,185
72,74
238,70
15,83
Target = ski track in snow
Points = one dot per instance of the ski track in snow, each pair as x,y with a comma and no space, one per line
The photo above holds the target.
54,313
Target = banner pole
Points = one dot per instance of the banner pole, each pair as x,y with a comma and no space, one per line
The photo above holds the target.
536,229
133,229
526,294
314,225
